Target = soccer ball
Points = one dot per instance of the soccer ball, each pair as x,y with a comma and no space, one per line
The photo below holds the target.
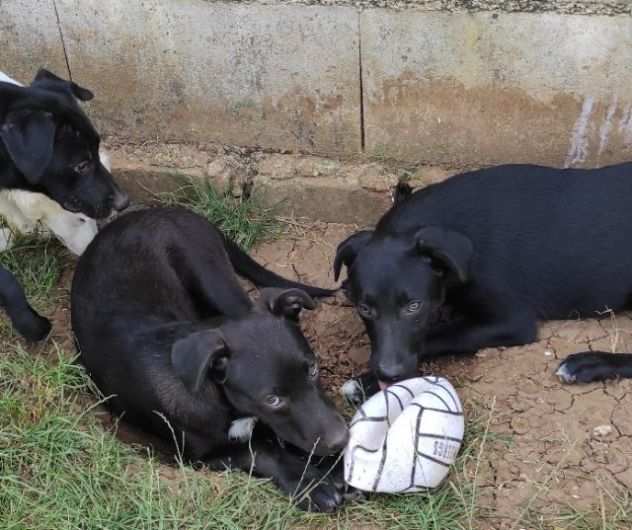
404,438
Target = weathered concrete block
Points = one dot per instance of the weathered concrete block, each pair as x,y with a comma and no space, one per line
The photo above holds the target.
328,203
469,90
29,39
278,77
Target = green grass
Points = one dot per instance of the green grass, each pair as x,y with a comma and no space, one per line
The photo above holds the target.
245,221
616,516
37,265
59,469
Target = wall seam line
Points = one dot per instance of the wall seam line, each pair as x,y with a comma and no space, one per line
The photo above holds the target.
361,83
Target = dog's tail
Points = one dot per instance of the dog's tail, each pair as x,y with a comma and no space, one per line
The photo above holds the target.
262,277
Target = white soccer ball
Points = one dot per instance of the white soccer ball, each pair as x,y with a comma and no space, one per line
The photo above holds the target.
404,438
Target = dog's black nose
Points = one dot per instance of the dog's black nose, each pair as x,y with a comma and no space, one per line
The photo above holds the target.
390,373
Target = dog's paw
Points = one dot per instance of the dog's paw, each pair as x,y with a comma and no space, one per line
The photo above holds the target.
353,392
358,389
316,492
587,367
32,326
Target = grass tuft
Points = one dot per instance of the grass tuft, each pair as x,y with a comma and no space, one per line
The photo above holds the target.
245,221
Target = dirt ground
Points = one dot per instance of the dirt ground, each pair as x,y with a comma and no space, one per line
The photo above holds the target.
553,448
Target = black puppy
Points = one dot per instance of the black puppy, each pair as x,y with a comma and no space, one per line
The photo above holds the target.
48,145
505,247
165,329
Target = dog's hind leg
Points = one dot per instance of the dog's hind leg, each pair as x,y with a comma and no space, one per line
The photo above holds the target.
23,317
213,294
590,366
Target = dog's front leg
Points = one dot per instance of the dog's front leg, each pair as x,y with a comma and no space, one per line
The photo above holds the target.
24,318
310,486
467,336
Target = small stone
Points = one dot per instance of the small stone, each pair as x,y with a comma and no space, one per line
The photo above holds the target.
601,431
548,353
520,425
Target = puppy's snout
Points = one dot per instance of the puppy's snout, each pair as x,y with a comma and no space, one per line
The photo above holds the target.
337,439
120,200
390,372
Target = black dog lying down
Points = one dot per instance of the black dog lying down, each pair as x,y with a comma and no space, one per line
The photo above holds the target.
165,329
504,246
49,146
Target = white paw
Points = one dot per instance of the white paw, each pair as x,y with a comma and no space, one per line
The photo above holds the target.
353,392
564,374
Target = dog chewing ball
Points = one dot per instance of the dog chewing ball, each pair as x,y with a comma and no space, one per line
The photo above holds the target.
405,437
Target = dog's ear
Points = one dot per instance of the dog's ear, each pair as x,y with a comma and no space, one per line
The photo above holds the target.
348,250
447,249
287,303
82,94
198,355
28,136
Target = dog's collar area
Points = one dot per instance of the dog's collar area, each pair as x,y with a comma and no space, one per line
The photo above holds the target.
241,429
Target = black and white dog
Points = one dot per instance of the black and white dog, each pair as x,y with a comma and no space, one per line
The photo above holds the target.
167,332
27,212
505,247
49,147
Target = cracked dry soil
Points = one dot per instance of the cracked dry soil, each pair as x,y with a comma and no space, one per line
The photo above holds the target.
552,448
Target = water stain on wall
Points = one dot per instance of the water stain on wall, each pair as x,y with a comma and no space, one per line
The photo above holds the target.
443,121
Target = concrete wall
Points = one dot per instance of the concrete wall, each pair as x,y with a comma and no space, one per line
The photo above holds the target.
450,83
283,78
460,89
29,37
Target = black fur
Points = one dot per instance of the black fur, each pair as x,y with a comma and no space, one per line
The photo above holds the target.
401,192
587,367
165,328
247,267
505,246
48,145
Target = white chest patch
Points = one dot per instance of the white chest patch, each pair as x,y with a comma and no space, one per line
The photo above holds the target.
241,429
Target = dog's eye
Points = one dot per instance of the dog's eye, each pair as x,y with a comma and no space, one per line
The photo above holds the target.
82,167
273,401
366,311
414,306
313,370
